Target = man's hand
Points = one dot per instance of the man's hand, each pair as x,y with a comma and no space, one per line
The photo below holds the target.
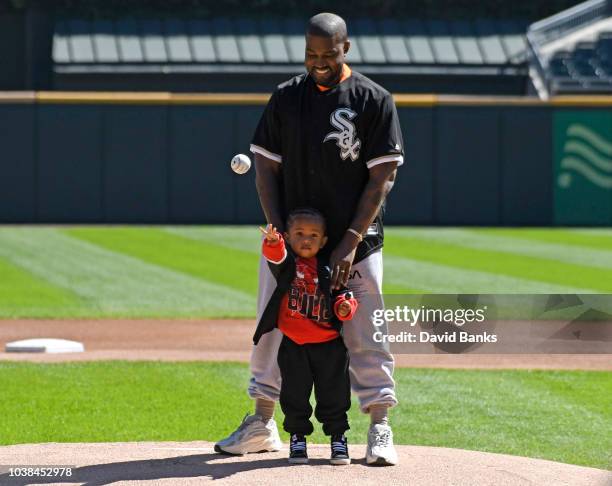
341,261
272,236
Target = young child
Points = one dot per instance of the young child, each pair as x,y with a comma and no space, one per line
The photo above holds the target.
309,315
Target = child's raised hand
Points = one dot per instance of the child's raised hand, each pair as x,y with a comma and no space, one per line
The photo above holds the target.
272,236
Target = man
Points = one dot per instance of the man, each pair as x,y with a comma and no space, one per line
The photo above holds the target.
328,139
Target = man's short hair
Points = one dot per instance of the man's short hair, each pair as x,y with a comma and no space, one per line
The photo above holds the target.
327,25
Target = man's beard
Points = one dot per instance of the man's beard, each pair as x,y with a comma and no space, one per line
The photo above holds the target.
328,80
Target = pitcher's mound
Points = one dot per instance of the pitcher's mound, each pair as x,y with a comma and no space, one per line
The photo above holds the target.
179,463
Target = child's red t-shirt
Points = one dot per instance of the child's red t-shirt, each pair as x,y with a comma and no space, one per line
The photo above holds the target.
304,315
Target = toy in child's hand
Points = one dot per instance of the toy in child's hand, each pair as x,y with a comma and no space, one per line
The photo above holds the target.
344,309
272,236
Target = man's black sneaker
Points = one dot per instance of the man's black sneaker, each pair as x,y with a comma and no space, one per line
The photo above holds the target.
339,450
297,450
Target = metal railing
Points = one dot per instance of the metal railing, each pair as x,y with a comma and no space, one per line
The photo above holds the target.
557,26
563,23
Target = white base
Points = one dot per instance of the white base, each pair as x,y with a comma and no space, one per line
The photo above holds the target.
44,345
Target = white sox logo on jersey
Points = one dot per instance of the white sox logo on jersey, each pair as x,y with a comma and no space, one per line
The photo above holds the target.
345,136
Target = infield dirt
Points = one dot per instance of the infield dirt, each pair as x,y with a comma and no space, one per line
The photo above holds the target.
230,340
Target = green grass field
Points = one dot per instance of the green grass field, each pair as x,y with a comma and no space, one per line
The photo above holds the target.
212,271
563,416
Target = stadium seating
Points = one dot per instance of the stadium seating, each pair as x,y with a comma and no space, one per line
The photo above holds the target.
586,67
252,54
281,41
570,52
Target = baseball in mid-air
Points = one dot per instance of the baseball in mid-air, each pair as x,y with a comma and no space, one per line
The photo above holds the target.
241,164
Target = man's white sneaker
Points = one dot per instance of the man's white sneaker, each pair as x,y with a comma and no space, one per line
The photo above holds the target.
252,435
381,451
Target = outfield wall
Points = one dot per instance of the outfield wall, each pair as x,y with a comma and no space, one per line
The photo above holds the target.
164,158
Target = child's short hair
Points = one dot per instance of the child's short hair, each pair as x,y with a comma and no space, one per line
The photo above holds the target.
306,212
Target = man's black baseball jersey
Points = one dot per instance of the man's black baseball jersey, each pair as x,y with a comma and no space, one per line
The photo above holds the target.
326,141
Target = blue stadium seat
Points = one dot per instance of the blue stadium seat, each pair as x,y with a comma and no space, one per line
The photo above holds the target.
603,68
249,41
81,45
393,42
273,42
104,41
580,63
514,40
558,68
364,33
201,36
584,51
604,46
294,36
225,41
490,42
153,41
128,40
417,41
60,49
177,41
442,42
466,43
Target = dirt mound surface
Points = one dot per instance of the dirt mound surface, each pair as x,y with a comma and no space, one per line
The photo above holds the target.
175,463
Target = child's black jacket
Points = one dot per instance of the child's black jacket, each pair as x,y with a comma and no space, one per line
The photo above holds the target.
284,273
